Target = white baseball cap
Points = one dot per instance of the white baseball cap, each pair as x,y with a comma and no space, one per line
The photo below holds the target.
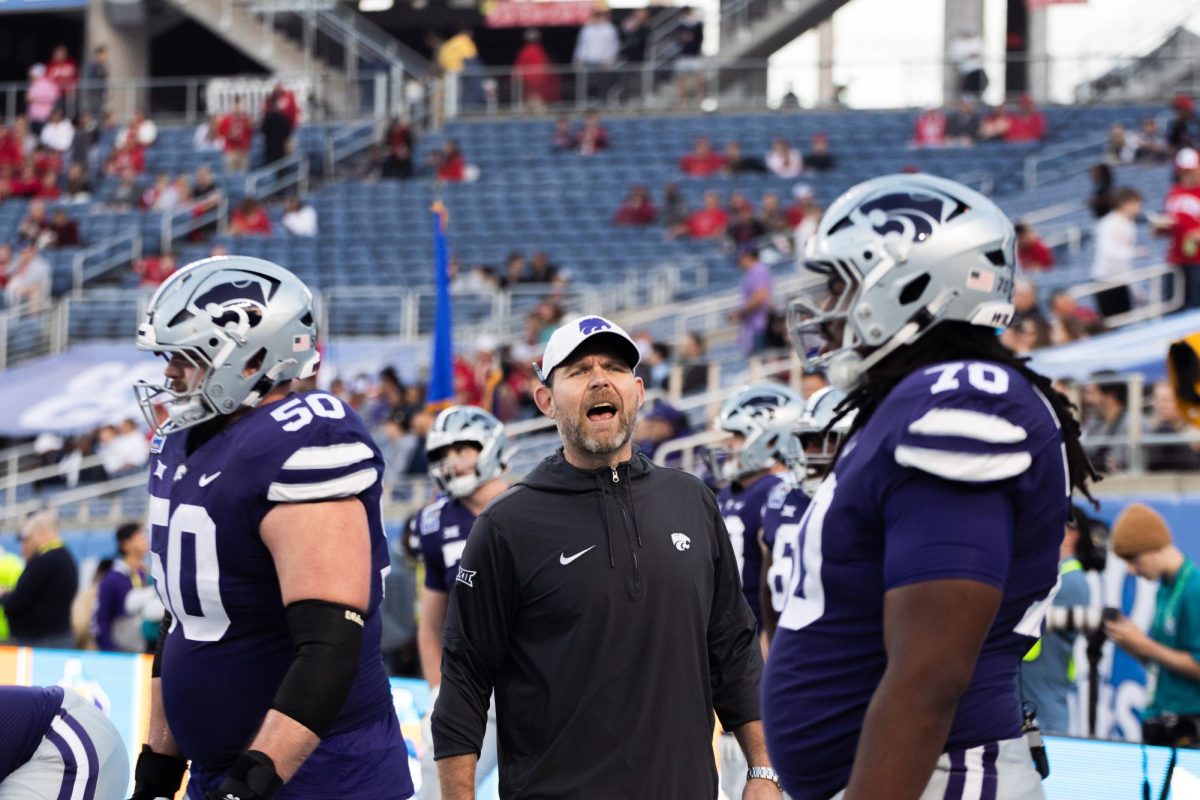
568,338
1187,158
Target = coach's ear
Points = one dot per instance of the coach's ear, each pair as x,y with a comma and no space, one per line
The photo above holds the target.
544,397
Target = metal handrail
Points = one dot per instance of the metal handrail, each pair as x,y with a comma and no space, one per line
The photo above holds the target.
177,224
348,143
15,512
277,176
105,256
1158,305
1081,151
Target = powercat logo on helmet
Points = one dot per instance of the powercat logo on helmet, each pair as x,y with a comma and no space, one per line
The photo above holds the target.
241,303
912,216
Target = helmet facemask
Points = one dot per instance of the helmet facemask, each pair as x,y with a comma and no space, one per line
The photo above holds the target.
443,470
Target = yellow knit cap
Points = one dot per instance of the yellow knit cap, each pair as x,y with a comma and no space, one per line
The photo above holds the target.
1139,529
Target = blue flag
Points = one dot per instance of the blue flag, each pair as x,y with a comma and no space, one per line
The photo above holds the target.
441,371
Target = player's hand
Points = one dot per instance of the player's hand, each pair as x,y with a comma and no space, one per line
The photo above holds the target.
157,776
252,777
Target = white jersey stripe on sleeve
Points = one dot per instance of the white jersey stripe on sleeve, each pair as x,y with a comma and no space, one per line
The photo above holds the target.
968,425
345,486
965,467
331,456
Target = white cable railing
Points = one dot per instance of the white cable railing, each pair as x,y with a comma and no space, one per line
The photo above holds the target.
1163,285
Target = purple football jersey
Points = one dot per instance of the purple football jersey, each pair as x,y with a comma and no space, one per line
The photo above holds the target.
960,473
780,528
742,510
229,645
444,526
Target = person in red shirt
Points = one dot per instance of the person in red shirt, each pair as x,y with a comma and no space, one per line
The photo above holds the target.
237,129
64,230
63,71
132,155
930,130
593,138
637,209
1028,124
283,100
1182,223
702,161
153,270
10,149
532,69
26,184
48,187
710,221
249,219
451,168
46,160
1032,253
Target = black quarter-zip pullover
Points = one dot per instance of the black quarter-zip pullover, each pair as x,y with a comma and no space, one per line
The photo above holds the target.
604,608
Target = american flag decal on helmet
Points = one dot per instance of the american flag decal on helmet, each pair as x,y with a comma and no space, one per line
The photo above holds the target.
301,342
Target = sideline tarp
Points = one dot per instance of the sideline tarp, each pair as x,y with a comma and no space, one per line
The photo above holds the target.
1138,348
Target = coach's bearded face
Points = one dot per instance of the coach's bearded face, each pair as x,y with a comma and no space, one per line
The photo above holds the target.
595,400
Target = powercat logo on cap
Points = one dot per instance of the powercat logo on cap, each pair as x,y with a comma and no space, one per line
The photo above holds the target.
592,324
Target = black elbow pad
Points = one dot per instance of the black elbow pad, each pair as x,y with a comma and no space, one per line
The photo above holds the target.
328,639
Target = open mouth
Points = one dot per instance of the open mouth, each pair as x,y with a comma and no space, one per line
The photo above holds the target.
602,412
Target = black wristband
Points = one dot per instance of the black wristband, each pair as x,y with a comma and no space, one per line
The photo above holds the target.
251,777
157,774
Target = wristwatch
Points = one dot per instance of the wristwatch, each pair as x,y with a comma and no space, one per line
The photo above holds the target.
767,774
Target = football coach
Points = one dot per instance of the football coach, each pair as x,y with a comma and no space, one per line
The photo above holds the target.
599,598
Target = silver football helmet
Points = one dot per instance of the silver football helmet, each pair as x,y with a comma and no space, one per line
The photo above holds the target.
764,416
243,323
466,425
891,258
817,442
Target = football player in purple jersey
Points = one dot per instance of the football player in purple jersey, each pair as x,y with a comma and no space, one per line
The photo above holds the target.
268,553
468,452
928,556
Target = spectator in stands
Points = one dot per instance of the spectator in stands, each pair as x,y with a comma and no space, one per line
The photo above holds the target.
1032,253
514,270
64,231
1120,147
637,208
141,129
122,449
1116,248
819,157
736,163
966,54
1152,148
22,139
161,195
930,129
32,229
58,133
449,163
689,64
40,98
655,368
1101,201
693,358
702,162
996,125
596,51
592,138
237,131
29,283
48,187
675,211
755,309
458,58
299,218
401,144
207,138
152,270
1168,420
27,183
534,73
773,216
6,265
745,229
962,127
125,599
783,160
804,213
541,270
1065,310
39,606
659,424
126,194
1184,130
711,221
1025,303
563,138
283,100
85,142
206,197
130,155
1028,124
95,81
250,219
1105,400
1029,329
276,130
1182,223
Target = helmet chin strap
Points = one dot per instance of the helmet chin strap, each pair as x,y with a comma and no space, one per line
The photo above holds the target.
846,370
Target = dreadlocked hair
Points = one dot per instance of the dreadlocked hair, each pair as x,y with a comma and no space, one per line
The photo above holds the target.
962,341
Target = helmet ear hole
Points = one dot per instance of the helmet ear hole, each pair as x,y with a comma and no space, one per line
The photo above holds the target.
913,290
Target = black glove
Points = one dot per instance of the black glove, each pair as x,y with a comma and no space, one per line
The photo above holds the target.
252,777
157,775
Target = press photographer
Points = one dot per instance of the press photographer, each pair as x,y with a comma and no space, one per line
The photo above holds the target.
1048,671
1170,651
